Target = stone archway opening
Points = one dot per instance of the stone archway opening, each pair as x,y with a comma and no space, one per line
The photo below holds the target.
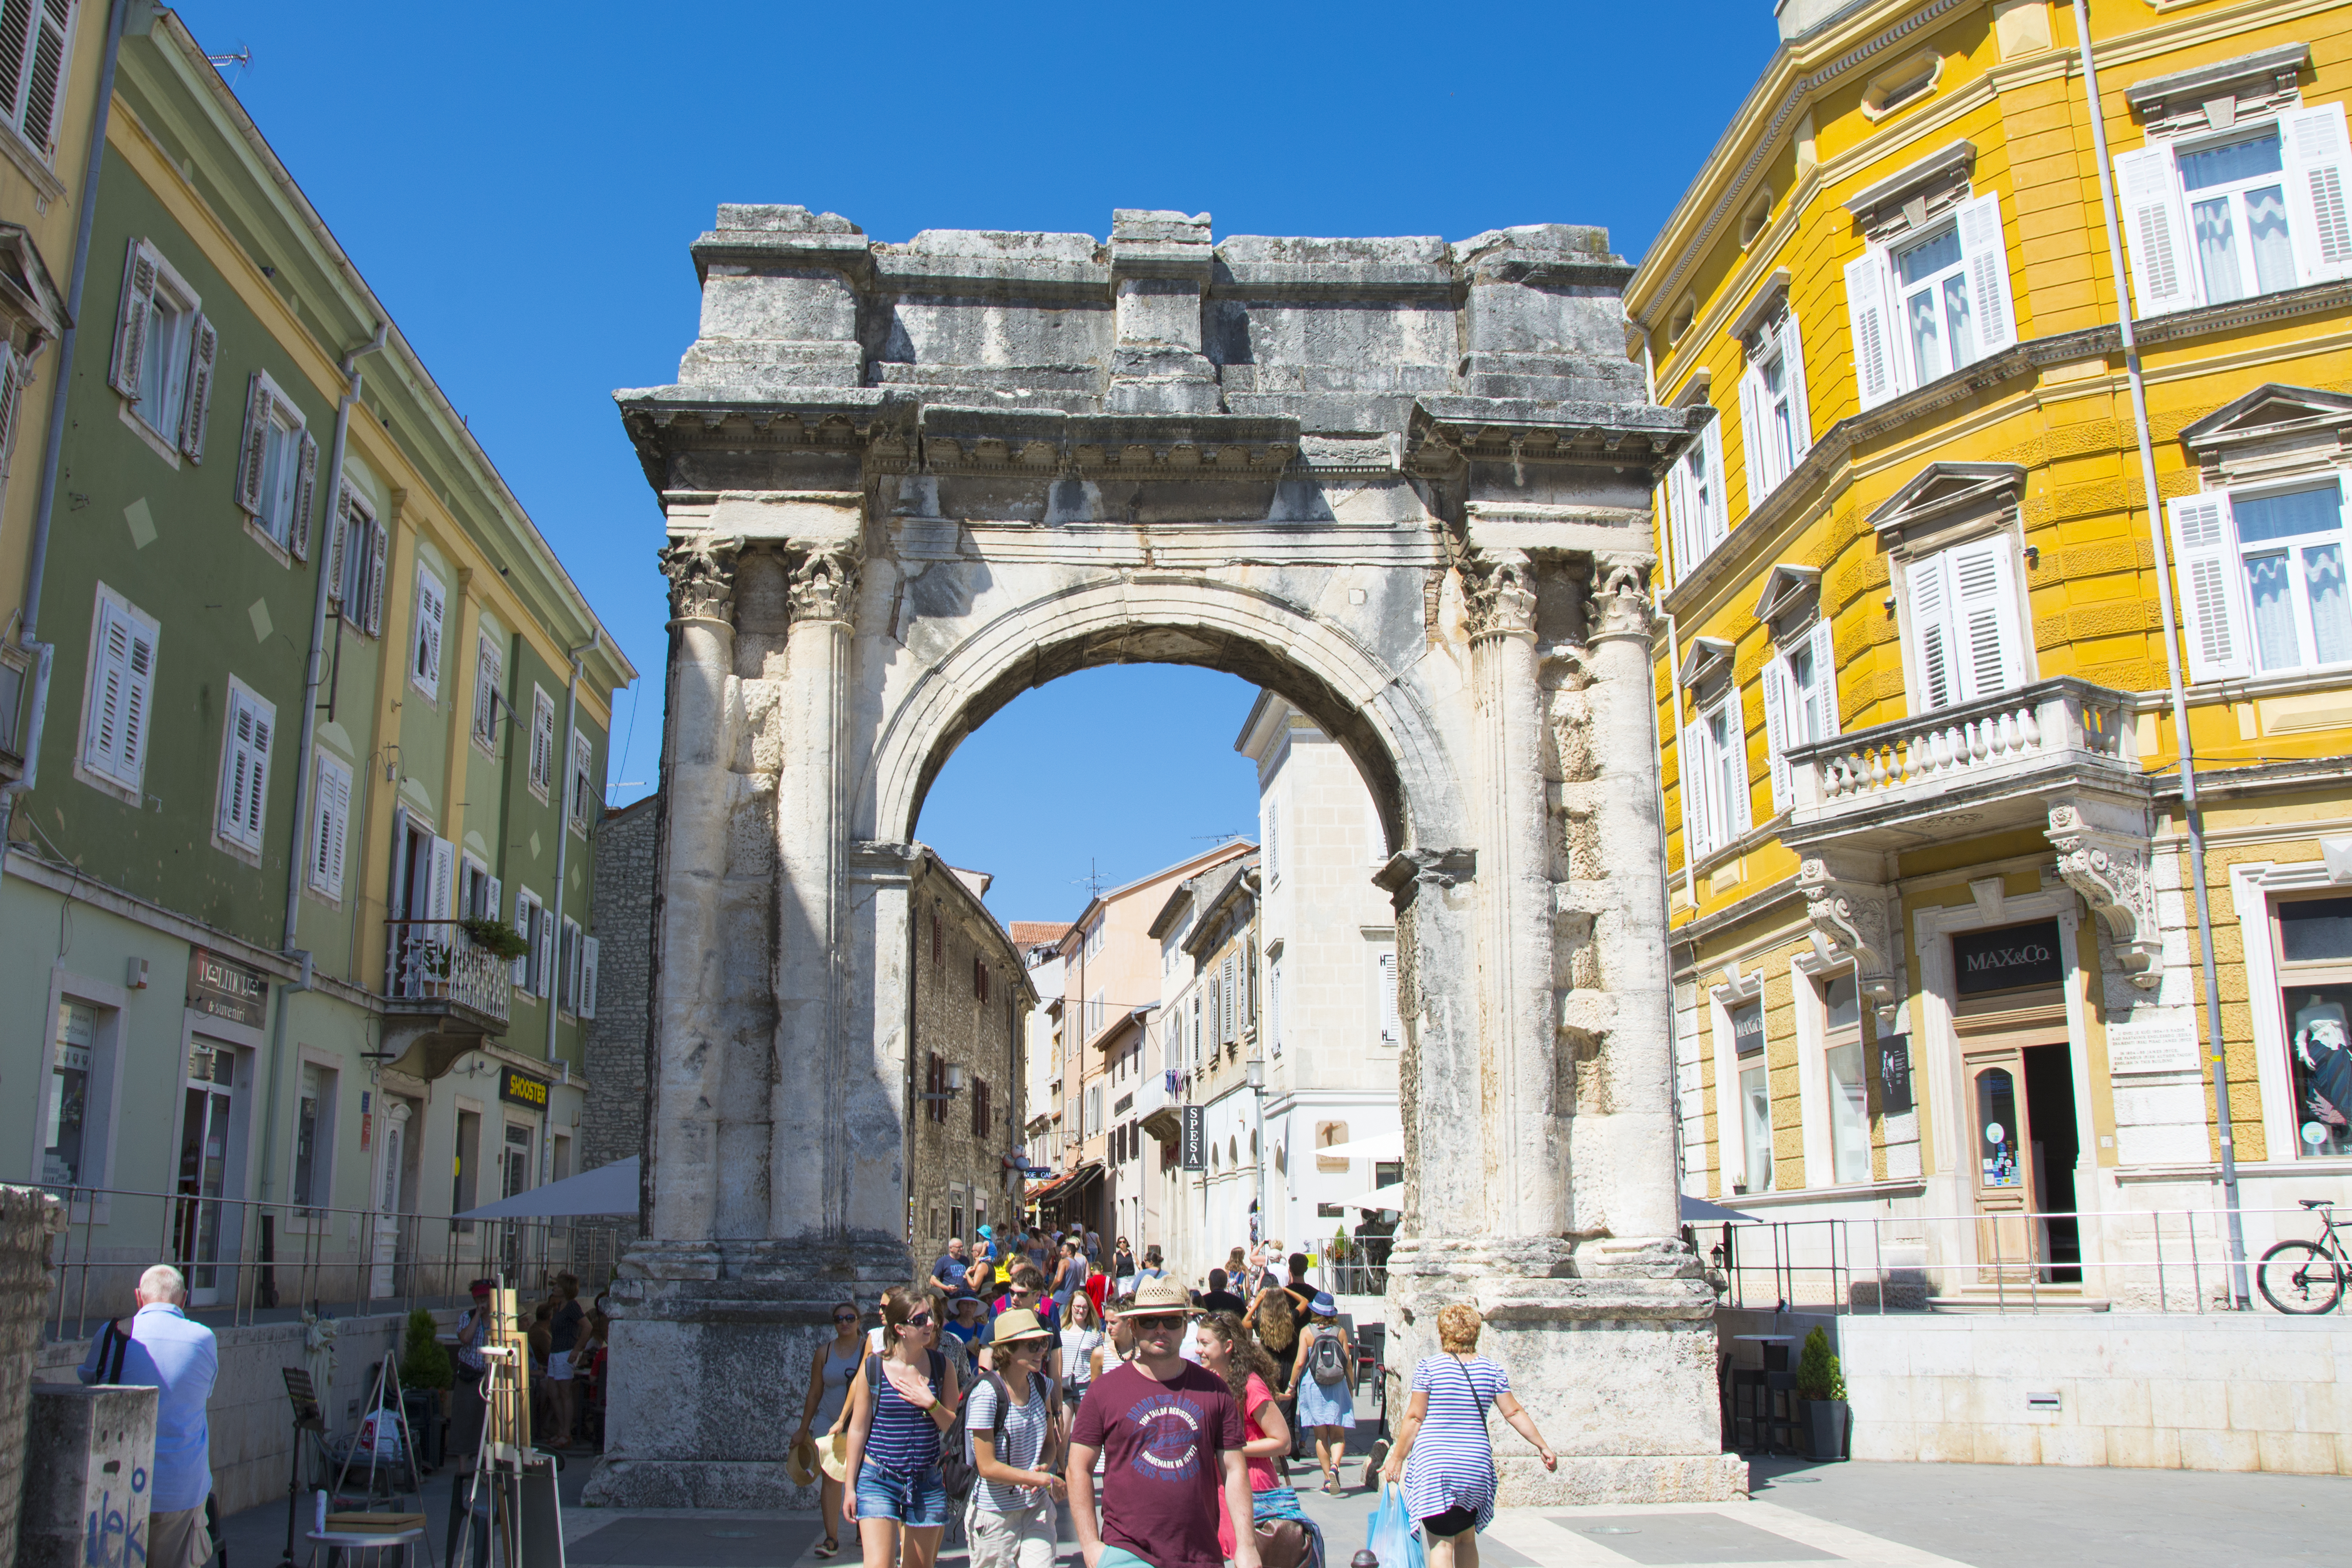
1404,483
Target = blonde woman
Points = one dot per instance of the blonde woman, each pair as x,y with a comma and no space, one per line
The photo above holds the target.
831,1372
1444,1454
902,1402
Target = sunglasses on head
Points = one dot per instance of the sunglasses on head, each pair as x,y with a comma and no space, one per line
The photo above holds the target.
1158,1321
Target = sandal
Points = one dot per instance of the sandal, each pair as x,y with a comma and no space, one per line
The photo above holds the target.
828,1547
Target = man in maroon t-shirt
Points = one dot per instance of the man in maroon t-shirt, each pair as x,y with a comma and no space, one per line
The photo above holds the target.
1172,1440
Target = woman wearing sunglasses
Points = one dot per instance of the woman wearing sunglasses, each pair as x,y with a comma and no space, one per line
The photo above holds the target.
905,1399
830,1375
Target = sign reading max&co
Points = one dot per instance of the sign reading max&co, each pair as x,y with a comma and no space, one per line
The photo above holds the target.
221,988
521,1089
2007,959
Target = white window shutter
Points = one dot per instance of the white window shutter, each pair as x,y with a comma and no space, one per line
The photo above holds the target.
1824,643
339,546
2156,231
1987,259
492,893
12,400
526,925
1778,725
546,957
133,317
1751,434
1739,813
1693,767
1717,509
109,684
424,656
204,349
1992,646
443,892
253,447
1931,610
1792,361
2205,549
1391,1028
1682,523
378,539
305,475
2319,184
1873,342
245,769
43,81
331,826
487,671
401,903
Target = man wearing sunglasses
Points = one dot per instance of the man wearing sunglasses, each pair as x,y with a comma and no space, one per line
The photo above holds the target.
1172,1437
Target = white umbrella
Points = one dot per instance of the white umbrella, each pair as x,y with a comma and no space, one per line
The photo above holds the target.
1378,1146
1389,1197
607,1190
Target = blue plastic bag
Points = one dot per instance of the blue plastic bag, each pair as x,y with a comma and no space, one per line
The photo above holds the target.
1392,1538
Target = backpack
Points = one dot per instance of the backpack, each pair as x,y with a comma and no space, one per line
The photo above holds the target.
1277,1322
958,1470
1329,1360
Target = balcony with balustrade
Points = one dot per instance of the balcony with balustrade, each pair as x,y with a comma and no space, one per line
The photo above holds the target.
1986,766
445,994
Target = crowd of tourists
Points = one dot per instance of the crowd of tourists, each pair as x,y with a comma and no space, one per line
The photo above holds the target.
1033,1371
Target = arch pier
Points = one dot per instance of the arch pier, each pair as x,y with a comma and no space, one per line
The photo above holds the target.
1404,483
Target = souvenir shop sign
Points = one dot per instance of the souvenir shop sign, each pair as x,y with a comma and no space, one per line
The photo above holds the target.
221,988
2006,959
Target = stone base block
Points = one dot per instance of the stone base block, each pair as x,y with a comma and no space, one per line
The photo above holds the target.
1620,1478
695,1483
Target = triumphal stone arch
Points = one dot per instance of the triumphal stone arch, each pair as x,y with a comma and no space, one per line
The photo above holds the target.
1404,483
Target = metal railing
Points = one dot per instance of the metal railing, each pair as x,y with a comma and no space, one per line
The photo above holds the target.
248,1261
1363,1271
439,960
2015,730
2145,1260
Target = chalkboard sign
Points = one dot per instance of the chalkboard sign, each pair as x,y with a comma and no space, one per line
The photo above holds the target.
2006,959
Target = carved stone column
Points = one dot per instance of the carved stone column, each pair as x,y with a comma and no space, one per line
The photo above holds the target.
1852,911
2104,855
1439,1077
1626,1216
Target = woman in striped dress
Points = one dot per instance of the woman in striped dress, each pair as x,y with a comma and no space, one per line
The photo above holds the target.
1444,1453
899,1405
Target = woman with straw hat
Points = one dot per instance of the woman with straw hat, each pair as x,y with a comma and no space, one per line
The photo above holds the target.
831,1372
1010,1522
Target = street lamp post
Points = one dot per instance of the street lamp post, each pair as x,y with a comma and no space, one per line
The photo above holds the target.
1253,1074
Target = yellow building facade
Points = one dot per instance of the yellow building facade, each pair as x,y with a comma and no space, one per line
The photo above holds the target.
1938,956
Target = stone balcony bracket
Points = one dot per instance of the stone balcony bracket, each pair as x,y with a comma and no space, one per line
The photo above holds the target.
1956,772
1408,870
2105,854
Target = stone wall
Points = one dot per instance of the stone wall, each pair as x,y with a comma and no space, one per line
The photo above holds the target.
28,1218
948,1157
612,1123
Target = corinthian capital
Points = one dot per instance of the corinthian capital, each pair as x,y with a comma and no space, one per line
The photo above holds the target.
1621,596
824,579
1501,588
1851,915
2104,855
701,574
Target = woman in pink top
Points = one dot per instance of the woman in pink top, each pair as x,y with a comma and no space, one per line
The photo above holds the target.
1229,1350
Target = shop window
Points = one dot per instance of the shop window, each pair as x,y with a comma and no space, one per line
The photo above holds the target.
2260,209
1755,1094
2314,981
2263,576
73,1149
514,1160
1849,1090
314,1138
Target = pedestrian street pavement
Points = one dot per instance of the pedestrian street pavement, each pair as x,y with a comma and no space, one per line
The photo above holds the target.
1874,1516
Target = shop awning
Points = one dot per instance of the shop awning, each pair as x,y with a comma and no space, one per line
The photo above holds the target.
1387,1197
1380,1146
1698,1211
1061,1186
607,1190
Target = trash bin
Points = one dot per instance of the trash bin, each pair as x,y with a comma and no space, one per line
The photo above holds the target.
423,1408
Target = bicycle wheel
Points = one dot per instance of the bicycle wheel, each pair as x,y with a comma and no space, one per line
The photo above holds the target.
2297,1277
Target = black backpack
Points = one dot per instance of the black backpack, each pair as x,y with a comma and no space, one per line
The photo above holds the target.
958,1471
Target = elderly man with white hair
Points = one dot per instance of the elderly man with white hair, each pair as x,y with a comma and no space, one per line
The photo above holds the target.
160,1347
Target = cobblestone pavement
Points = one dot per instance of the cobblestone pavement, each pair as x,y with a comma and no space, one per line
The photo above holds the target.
1897,1516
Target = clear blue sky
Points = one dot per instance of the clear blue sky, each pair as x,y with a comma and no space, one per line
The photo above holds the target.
520,183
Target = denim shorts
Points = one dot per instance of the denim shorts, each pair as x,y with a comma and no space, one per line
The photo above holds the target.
917,1499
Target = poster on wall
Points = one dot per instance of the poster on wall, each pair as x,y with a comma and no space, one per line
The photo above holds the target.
1895,1075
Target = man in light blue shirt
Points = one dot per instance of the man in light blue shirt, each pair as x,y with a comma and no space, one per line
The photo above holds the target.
162,1349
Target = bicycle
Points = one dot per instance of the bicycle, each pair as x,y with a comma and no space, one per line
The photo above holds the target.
2305,1276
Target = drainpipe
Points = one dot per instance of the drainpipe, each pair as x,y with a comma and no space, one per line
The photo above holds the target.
299,839
54,437
563,842
2193,814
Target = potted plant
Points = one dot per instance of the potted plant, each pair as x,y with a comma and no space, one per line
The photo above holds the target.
500,939
423,1363
1821,1388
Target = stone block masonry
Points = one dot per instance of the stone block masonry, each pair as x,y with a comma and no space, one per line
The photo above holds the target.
612,1123
30,1220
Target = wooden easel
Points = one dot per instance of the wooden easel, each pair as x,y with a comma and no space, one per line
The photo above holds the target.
525,1513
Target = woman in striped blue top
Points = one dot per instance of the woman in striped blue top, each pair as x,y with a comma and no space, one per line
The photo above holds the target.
1444,1453
904,1400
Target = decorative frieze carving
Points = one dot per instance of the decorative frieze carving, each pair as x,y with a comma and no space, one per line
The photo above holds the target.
2104,854
824,580
1620,596
1500,590
701,574
1851,912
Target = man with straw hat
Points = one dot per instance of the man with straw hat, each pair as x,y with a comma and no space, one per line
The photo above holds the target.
1171,1436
